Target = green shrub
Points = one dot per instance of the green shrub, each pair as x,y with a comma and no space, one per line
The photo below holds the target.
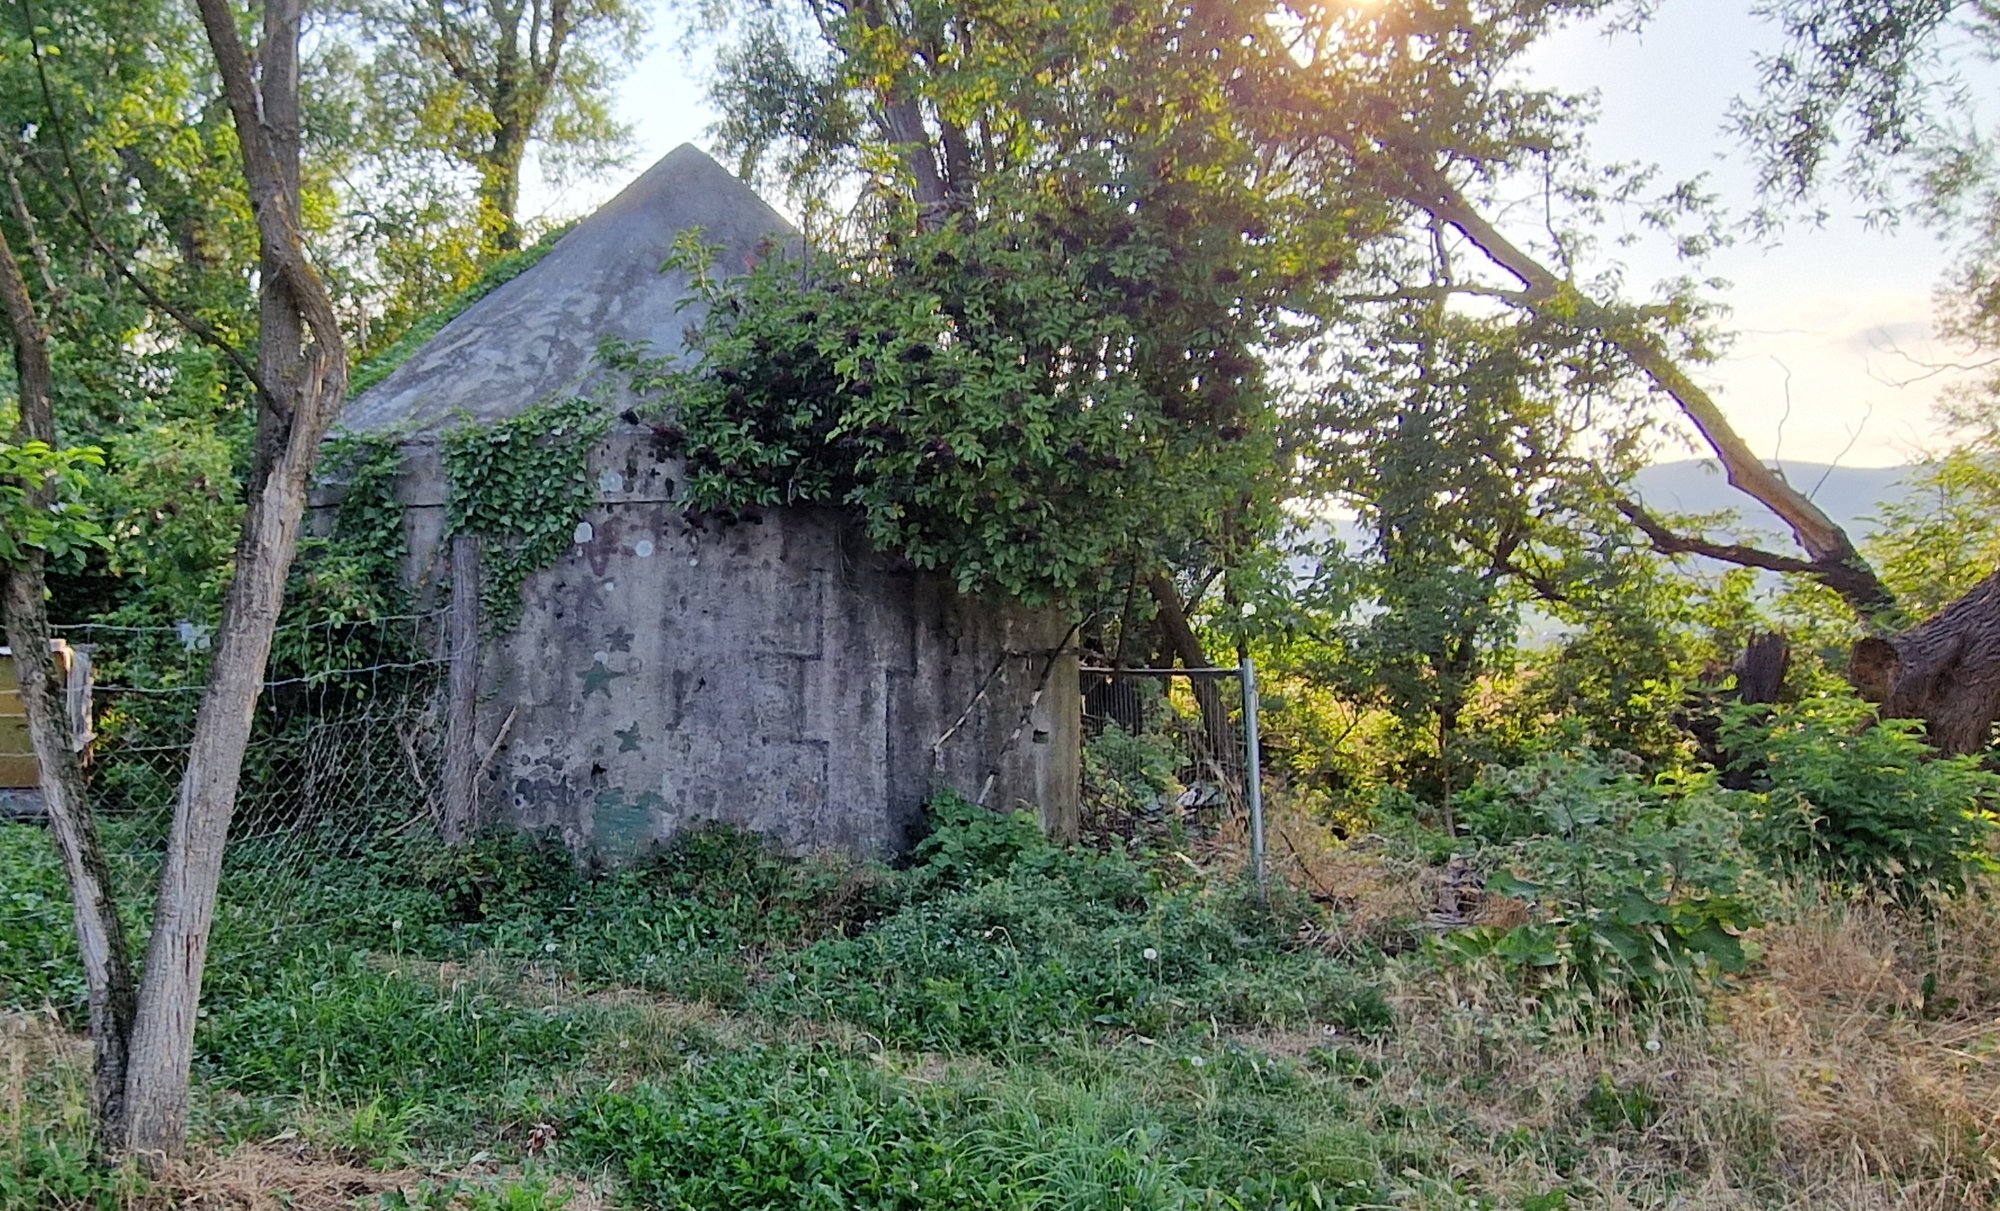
685,922
967,844
1866,806
1639,889
1004,940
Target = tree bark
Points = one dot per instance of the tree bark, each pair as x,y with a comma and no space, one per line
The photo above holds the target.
107,967
901,121
1944,670
459,816
500,188
305,382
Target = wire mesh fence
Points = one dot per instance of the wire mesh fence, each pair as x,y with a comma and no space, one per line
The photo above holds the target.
343,755
1171,750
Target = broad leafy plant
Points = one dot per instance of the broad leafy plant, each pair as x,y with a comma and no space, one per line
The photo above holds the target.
1027,405
1636,891
59,530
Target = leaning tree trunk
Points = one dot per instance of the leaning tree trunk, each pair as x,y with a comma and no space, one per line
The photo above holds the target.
1831,557
163,1043
100,935
302,367
1186,645
1945,670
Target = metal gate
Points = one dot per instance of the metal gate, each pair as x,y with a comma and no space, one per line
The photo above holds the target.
1208,719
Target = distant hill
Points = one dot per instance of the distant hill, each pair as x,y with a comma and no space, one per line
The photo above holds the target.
1852,496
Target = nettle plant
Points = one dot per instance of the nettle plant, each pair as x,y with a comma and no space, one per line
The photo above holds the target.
1027,406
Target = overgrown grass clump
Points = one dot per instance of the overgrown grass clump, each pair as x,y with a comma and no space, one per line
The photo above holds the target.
1003,940
822,1129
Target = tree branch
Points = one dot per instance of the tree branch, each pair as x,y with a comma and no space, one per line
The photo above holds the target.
1840,577
1834,559
194,325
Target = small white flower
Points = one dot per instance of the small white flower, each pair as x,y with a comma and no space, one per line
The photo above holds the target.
1652,1044
1152,956
550,947
821,1073
1195,1061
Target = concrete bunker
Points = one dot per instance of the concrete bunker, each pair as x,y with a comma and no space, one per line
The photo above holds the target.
776,675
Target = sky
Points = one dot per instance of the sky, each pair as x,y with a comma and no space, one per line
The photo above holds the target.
1832,322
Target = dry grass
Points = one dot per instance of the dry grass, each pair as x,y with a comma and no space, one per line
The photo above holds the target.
1858,1068
1878,1039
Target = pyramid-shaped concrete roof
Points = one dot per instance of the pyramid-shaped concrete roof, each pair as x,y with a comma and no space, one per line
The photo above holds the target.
536,337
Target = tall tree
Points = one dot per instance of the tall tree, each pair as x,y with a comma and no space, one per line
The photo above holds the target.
1398,121
1475,453
1113,131
23,588
302,380
469,86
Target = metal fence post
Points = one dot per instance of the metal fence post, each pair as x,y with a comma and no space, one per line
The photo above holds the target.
1254,770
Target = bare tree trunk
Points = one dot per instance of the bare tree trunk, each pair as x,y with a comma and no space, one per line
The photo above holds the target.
107,967
459,814
901,121
1760,670
303,385
163,1042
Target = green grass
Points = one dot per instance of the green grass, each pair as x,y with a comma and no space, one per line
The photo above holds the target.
720,1027
1000,1024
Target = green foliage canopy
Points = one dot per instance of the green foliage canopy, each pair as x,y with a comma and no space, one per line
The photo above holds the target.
1015,404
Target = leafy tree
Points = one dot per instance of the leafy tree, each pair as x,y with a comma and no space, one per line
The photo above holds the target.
972,401
1938,542
1097,172
1352,124
1476,453
457,88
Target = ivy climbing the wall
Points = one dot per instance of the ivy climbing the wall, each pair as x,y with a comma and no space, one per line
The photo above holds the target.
521,485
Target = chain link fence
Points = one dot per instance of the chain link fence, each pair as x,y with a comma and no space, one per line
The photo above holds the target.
343,755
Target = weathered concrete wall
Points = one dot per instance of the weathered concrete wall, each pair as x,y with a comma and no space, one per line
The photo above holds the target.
779,677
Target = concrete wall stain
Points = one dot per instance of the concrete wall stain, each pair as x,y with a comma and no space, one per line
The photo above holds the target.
781,677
